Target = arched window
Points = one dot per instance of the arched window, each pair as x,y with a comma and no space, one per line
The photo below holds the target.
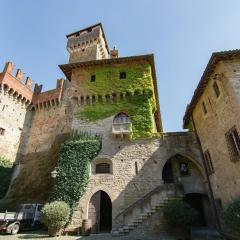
122,124
103,168
121,118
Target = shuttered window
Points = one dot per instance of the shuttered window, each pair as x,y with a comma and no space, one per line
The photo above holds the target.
233,142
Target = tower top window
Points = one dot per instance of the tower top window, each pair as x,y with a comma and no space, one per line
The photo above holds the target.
123,75
93,78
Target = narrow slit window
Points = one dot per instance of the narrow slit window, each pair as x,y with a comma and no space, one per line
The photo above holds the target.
204,108
216,89
2,131
209,164
136,168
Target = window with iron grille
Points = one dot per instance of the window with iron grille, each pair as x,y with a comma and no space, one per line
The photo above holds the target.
209,164
2,131
233,142
216,89
103,168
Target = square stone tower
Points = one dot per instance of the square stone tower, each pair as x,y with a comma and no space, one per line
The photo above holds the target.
87,44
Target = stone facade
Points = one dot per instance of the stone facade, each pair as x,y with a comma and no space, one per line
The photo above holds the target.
137,165
87,44
223,112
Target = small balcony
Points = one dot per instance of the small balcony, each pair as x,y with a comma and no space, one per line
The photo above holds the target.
122,128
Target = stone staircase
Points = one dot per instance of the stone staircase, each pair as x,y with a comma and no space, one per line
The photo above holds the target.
142,210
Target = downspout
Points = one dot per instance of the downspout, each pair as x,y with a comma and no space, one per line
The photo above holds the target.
212,199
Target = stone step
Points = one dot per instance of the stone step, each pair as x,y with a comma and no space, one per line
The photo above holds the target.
131,226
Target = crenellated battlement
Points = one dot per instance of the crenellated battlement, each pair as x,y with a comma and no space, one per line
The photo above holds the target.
21,90
49,98
88,44
14,85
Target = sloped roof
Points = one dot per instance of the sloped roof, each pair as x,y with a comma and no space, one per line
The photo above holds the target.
67,70
214,60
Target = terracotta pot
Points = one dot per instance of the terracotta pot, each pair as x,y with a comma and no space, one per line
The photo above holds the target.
54,232
86,227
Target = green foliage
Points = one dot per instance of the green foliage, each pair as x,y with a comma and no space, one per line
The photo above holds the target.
107,79
140,103
231,218
6,169
179,214
55,214
74,162
139,108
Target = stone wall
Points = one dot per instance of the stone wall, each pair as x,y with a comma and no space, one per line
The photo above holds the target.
124,185
13,113
222,114
87,45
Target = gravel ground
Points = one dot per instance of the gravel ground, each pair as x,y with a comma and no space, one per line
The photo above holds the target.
44,235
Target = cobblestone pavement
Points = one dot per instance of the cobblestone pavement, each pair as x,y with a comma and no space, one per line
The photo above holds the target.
44,235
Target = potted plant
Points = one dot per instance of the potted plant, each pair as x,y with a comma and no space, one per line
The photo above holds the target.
55,216
180,216
230,217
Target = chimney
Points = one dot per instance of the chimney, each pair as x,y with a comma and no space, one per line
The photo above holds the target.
19,75
29,82
8,67
114,52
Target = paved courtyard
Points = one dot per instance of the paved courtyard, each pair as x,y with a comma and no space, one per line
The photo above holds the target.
44,235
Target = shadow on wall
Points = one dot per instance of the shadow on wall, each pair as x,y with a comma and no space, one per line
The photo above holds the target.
145,184
33,182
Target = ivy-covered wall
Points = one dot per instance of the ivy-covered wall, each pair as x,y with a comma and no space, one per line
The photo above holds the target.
139,102
74,167
138,77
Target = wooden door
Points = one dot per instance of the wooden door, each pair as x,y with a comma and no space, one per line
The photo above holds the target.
94,212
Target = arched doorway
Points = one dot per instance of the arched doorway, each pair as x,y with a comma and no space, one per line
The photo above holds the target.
100,212
201,203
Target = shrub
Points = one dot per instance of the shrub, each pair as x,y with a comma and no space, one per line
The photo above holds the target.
231,218
55,214
180,214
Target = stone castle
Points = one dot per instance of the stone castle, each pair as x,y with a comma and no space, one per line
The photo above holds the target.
139,166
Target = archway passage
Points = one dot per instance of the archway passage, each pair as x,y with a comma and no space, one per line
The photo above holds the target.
167,173
200,202
100,212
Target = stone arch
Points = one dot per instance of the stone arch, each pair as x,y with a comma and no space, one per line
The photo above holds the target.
200,168
122,117
100,212
182,169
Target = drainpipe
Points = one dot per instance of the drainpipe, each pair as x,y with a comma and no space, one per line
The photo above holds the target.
212,199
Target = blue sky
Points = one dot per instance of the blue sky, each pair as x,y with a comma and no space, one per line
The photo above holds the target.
181,33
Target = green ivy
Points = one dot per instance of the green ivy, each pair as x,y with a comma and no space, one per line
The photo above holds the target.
231,218
6,169
74,168
138,76
139,104
139,108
